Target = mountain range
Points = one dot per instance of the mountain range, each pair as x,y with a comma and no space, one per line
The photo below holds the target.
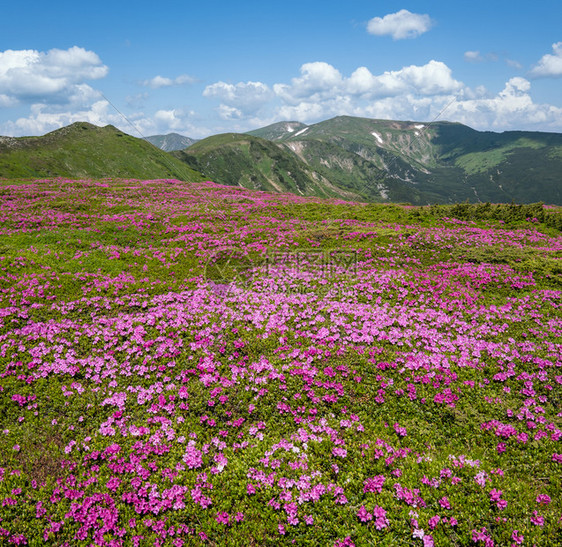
346,157
385,160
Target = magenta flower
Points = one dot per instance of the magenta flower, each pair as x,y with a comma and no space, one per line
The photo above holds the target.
544,499
192,457
364,515
433,521
536,519
444,502
380,518
517,537
339,452
222,517
374,484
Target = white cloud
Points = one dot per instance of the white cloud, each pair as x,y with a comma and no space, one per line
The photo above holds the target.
514,64
473,56
433,78
48,76
229,112
160,81
400,25
511,108
318,80
321,90
549,65
6,101
422,93
321,81
43,119
242,99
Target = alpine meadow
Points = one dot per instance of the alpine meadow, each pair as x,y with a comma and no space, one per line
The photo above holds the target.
198,364
281,274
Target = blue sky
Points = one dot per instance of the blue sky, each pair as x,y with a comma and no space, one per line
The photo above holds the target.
200,68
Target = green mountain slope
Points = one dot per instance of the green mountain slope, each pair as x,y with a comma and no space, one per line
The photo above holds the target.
82,150
441,162
258,164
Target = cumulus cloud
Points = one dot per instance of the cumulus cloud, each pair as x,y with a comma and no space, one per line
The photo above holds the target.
511,108
160,81
550,65
47,76
239,100
321,81
6,101
423,93
400,25
44,119
322,90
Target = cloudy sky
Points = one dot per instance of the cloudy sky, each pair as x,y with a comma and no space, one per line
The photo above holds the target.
206,67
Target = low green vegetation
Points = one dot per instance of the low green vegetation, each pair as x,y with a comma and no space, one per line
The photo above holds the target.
85,150
187,363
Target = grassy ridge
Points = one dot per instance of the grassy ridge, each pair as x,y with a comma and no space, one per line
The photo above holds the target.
82,150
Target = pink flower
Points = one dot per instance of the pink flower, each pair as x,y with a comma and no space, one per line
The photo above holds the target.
537,519
495,495
444,502
113,483
374,484
380,518
364,515
192,457
346,542
517,537
433,521
222,517
543,498
428,541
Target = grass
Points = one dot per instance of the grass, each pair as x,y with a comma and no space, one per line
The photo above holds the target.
147,397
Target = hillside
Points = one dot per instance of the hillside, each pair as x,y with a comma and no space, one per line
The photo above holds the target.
351,158
171,141
257,164
83,150
438,162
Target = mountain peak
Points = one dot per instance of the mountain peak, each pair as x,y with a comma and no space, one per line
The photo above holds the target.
171,141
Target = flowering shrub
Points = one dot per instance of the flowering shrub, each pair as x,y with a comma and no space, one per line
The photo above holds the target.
338,374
